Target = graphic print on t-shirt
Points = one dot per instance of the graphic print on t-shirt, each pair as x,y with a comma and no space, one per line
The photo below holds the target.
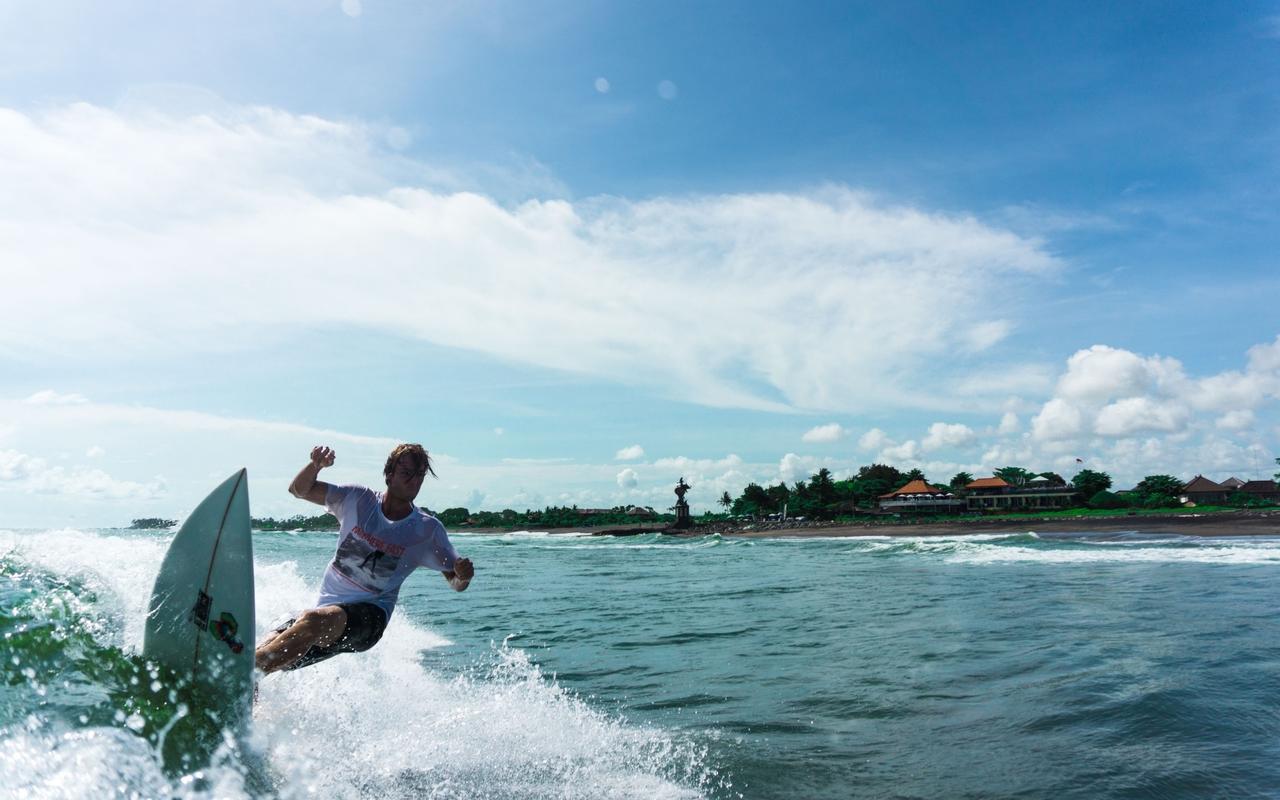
367,560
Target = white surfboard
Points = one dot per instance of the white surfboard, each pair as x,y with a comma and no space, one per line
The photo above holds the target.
200,621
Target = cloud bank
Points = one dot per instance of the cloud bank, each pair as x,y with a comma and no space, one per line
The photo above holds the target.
179,231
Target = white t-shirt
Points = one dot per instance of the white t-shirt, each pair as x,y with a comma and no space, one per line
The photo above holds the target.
376,554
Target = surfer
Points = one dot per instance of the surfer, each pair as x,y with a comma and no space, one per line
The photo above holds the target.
383,537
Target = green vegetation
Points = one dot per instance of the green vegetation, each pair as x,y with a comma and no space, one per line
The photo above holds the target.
151,523
1102,499
822,497
1089,483
1246,500
1014,476
1159,486
323,522
551,517
819,498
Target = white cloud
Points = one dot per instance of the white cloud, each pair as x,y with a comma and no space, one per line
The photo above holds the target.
1006,379
824,434
873,439
49,397
628,479
983,335
1134,415
35,476
602,85
908,451
498,431
1116,393
942,435
105,415
1238,420
538,461
1058,419
1103,373
352,8
232,226
793,468
1009,424
700,464
130,445
15,466
629,453
667,90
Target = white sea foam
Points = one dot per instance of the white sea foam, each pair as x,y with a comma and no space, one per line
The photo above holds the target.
376,724
1201,551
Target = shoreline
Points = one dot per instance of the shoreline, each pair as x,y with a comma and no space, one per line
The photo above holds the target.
1189,523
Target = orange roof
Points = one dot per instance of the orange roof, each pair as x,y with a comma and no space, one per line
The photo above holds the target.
915,487
987,483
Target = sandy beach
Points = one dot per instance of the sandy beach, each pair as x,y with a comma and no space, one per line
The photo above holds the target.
1242,523
1189,523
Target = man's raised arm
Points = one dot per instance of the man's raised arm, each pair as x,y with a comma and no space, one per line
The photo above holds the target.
305,484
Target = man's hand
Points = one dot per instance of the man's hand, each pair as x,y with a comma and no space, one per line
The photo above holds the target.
305,484
322,456
464,569
460,577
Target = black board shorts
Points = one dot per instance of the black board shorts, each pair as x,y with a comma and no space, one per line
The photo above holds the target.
365,624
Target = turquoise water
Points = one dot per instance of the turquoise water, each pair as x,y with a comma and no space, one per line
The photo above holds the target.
1124,666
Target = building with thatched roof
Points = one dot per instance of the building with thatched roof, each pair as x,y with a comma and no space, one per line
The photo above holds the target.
1262,490
1200,490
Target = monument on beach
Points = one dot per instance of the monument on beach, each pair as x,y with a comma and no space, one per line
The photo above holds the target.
683,519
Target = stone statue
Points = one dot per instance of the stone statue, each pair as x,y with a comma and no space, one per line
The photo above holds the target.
683,520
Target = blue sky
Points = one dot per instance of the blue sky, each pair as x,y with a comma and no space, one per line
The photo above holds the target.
579,250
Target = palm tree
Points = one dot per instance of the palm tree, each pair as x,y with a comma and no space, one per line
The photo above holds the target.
726,501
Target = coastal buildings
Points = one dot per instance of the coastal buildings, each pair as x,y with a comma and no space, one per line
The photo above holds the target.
917,496
1200,490
1262,490
1039,493
997,494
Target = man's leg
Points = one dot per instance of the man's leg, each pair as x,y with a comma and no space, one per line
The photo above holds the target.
316,627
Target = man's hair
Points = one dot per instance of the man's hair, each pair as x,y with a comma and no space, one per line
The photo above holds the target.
421,459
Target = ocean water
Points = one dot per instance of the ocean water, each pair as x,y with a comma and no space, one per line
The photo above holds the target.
1021,666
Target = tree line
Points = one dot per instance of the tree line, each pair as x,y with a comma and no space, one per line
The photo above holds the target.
822,497
549,517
